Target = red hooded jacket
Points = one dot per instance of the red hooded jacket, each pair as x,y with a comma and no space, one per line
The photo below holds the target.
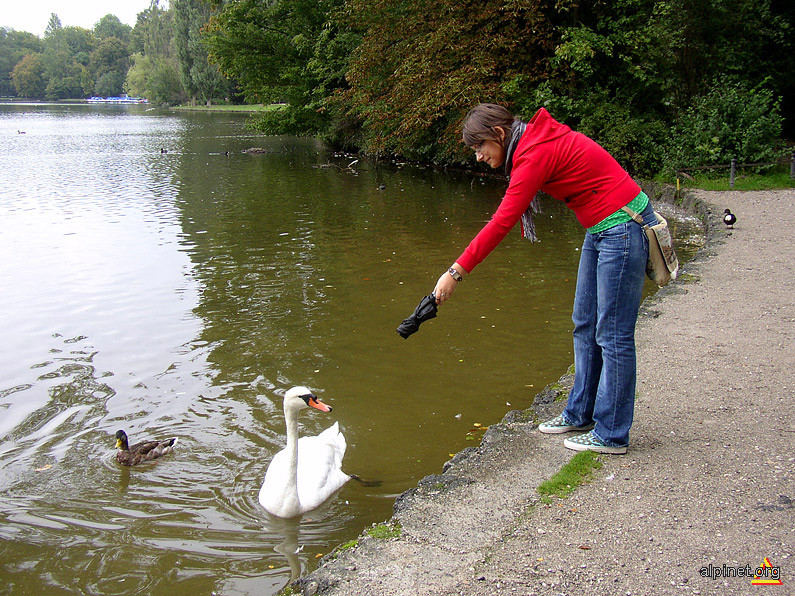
566,165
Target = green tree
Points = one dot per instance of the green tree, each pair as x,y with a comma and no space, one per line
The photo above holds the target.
110,84
157,80
108,66
67,52
731,121
421,65
272,50
53,25
202,80
14,45
111,26
154,73
624,72
29,77
137,81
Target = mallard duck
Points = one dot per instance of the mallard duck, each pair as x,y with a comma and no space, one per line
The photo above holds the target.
308,470
144,451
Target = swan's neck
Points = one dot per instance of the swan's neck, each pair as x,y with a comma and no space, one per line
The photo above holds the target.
291,490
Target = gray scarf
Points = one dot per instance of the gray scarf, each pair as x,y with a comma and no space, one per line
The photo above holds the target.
528,226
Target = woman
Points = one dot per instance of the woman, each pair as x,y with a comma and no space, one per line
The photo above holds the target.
545,155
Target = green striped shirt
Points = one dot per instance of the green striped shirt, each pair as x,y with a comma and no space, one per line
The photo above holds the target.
637,204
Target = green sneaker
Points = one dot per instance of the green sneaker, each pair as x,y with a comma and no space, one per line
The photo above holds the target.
589,442
560,425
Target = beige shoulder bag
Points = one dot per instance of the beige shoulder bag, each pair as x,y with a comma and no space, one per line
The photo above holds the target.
663,265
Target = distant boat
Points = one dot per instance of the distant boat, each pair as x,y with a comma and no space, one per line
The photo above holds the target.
125,99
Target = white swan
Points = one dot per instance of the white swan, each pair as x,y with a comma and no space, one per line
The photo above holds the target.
308,470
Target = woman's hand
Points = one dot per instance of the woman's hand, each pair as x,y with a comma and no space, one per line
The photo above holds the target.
447,284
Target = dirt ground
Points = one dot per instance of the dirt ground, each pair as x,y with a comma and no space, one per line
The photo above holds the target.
706,493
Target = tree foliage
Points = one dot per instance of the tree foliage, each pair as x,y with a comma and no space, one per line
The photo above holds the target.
108,66
421,65
624,72
201,79
111,26
627,72
657,82
162,58
14,46
67,52
154,78
28,77
732,121
53,25
281,51
155,68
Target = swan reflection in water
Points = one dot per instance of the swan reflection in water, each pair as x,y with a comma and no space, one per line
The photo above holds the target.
289,546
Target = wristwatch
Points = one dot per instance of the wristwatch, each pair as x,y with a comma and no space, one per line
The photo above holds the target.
455,274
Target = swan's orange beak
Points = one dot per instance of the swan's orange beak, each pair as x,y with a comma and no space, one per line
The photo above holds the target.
314,402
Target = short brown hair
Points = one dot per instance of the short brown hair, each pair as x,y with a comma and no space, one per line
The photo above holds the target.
480,123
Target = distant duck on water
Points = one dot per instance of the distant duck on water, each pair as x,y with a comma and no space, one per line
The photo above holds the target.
729,219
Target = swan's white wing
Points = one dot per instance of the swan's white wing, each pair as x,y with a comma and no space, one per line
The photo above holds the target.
332,436
319,466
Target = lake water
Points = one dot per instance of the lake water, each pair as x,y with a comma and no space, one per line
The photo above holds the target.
158,279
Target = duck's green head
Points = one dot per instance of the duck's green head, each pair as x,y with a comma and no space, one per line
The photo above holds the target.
121,440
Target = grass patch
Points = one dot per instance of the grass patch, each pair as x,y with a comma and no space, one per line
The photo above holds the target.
576,472
385,531
687,278
343,547
774,179
349,545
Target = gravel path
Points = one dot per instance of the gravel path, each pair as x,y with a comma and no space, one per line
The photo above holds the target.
707,487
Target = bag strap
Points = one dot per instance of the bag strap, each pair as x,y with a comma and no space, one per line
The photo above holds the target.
635,216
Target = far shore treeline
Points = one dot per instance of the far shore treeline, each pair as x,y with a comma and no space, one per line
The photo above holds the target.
660,84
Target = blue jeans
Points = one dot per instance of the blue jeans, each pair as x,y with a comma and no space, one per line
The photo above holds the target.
606,303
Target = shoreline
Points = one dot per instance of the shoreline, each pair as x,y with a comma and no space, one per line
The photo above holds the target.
479,527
